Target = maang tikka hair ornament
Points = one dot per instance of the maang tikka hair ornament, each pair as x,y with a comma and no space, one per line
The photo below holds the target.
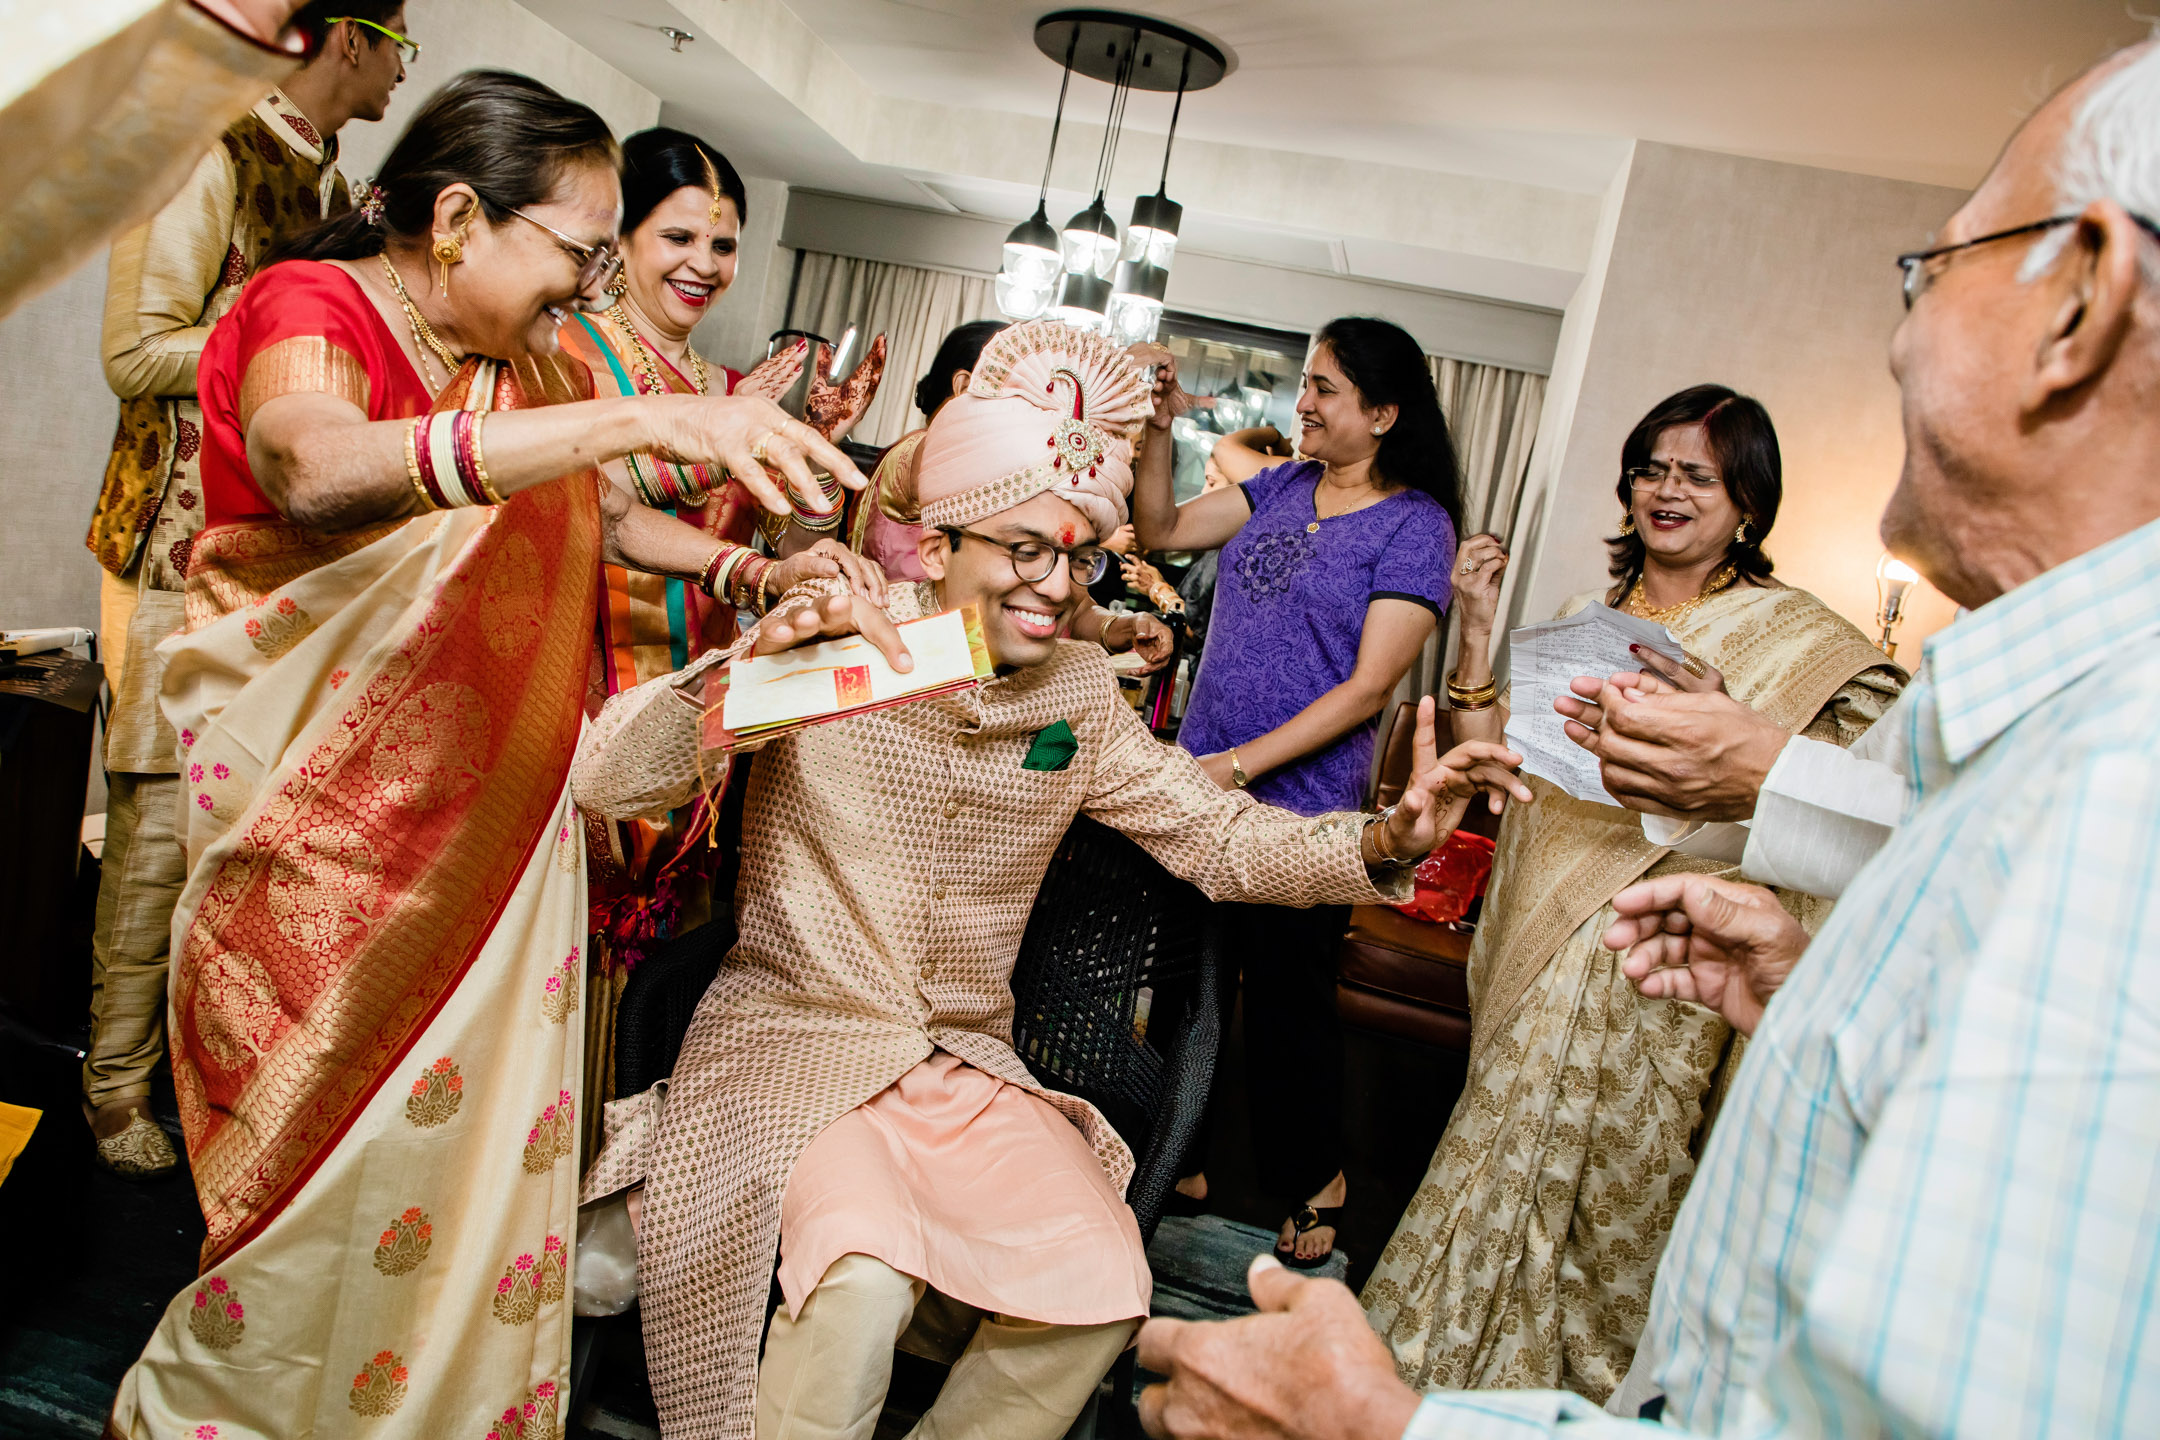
712,179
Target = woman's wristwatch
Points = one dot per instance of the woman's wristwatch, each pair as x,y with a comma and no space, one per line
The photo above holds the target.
1238,777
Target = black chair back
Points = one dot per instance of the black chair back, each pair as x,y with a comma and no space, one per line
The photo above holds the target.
659,998
1117,1000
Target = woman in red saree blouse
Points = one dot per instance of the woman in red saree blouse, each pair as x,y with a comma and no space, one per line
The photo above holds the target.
376,954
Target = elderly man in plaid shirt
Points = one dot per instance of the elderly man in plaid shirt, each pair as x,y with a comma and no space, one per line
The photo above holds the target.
1932,1206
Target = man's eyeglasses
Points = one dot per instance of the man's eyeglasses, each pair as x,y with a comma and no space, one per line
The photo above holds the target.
409,49
598,265
1920,271
1699,478
1033,560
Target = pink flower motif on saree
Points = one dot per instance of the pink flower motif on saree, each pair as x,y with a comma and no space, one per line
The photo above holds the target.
436,1095
552,1136
283,626
380,1388
559,993
530,1282
404,1243
217,1318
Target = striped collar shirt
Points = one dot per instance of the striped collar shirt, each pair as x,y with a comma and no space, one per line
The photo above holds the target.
1932,1203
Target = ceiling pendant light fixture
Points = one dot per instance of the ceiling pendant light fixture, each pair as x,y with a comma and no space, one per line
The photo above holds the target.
1068,272
1027,281
1150,243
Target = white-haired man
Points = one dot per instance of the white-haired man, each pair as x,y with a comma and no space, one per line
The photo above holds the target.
1927,1208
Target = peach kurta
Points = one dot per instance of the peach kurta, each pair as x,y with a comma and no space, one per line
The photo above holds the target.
890,862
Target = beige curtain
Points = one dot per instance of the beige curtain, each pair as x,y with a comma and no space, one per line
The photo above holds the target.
913,307
1492,412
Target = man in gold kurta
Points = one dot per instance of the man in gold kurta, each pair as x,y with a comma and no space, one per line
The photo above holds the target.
841,1086
273,174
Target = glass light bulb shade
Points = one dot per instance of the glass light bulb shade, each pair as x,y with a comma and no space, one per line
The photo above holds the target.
1021,301
1162,248
1134,318
1136,242
1106,256
1077,318
1031,265
1076,250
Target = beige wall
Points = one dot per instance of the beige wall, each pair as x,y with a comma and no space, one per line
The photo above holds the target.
56,416
1777,280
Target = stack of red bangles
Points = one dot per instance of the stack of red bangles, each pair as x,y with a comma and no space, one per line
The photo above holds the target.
736,574
445,463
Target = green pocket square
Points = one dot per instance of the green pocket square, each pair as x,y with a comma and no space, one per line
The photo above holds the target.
1054,748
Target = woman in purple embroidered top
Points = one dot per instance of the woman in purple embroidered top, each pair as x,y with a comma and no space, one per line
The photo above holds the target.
1334,571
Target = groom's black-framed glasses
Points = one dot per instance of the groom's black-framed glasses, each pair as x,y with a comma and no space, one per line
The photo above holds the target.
1033,560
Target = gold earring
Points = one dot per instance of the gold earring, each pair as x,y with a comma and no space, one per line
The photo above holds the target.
449,251
1739,536
1627,522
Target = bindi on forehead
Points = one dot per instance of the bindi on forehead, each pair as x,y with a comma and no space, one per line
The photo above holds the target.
1067,534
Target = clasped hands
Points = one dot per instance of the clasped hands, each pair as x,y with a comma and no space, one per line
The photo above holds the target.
1671,742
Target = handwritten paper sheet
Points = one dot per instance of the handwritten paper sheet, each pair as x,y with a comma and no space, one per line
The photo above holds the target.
1542,660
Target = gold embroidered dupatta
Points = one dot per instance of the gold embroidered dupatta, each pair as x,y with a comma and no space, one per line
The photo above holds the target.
354,831
1525,1258
1782,652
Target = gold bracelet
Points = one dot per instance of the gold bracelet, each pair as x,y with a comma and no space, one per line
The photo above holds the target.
479,461
412,471
1464,697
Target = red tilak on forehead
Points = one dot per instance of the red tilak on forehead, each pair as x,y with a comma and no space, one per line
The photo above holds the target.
1067,535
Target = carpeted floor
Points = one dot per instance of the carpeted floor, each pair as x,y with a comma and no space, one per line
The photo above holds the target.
94,1258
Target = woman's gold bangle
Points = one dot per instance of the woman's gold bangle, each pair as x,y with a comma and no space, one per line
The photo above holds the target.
1465,697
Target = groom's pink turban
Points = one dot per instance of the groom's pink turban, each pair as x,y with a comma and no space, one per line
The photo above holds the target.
1047,408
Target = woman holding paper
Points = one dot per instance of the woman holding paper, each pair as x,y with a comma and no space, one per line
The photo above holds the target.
1521,1262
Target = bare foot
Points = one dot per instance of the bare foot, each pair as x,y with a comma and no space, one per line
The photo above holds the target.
1315,1243
1193,1187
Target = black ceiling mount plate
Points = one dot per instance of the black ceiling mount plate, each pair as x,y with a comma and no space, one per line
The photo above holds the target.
1164,52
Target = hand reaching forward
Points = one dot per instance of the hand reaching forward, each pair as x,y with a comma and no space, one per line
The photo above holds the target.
1699,755
1441,787
832,410
1724,946
1307,1367
807,620
1478,568
752,438
775,375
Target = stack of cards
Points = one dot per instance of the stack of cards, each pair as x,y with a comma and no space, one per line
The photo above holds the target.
766,696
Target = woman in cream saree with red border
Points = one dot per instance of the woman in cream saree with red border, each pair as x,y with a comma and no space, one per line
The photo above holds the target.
375,1006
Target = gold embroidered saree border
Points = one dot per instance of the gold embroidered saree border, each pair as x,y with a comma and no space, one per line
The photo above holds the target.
302,365
517,600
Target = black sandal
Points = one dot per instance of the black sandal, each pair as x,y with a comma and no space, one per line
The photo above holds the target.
1310,1217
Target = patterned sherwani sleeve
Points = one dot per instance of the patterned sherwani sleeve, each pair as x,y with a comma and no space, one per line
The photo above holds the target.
1227,843
162,273
640,758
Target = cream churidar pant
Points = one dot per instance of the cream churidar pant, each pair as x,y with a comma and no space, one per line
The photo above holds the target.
825,1372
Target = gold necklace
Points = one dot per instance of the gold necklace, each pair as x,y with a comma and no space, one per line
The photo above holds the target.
648,366
1637,605
423,333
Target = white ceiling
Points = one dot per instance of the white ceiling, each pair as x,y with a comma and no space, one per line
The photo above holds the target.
1450,144
1543,91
